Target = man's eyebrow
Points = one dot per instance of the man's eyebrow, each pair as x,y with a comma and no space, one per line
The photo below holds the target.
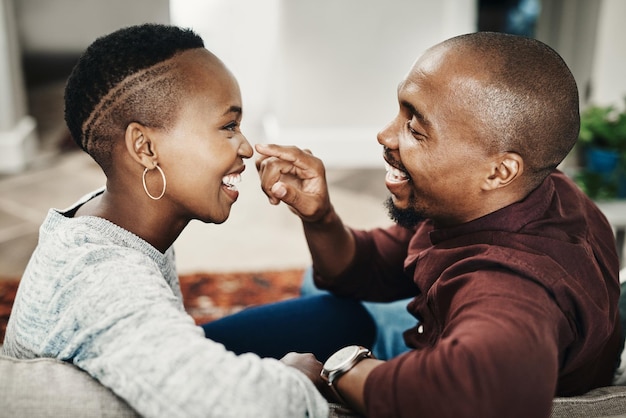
418,115
233,109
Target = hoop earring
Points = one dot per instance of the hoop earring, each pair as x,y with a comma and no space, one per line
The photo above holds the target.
143,179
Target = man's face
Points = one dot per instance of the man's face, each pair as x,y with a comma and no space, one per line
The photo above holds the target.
435,157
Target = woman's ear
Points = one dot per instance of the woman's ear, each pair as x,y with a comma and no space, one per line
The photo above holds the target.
504,171
140,145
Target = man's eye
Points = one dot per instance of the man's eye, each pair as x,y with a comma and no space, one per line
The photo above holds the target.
413,131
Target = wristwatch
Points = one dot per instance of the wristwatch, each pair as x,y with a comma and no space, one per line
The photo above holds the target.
340,363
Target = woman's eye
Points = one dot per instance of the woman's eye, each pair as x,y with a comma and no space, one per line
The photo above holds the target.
231,126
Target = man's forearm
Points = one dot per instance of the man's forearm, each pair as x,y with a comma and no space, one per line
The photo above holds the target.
331,244
350,386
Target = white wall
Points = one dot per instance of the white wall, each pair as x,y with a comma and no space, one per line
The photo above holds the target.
243,34
340,64
12,99
322,74
51,27
609,62
18,139
69,26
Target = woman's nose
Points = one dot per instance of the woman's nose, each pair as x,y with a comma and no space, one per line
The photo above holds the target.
245,149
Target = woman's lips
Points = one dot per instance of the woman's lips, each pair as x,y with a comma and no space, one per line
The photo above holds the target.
229,183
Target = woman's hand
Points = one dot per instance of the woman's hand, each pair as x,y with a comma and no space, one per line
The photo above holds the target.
311,367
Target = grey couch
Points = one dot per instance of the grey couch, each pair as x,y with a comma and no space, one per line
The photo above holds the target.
48,388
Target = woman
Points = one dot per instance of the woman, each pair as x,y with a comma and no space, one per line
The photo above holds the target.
161,115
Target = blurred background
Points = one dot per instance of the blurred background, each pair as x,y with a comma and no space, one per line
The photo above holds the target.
318,74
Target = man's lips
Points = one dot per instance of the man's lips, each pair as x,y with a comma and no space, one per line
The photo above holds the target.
397,181
395,175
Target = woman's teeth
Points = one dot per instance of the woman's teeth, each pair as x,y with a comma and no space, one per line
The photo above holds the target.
231,180
395,175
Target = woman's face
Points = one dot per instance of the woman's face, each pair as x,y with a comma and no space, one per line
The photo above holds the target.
202,153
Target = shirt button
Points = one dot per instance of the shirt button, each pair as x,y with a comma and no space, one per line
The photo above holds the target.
420,329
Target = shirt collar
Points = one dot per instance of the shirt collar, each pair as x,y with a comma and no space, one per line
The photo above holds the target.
508,219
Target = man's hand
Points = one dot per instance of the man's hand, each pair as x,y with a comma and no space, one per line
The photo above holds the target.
296,177
311,367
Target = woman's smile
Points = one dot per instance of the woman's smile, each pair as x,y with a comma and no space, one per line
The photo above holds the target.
230,181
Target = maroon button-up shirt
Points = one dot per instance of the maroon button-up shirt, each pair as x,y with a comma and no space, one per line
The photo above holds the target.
515,307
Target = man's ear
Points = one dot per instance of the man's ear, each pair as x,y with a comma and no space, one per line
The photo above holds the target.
140,145
504,170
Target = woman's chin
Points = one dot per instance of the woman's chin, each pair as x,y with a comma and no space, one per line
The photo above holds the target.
216,218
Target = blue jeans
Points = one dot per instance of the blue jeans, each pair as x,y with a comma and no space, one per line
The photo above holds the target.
391,320
317,322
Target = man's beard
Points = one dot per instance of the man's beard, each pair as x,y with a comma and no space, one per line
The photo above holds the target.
407,218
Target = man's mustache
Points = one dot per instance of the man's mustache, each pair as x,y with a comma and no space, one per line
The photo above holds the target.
393,161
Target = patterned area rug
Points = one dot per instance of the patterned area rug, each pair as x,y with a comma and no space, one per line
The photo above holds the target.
207,296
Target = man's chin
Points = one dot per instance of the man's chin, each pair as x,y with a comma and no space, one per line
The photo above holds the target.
407,218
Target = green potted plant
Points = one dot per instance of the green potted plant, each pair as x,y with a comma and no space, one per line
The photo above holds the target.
602,140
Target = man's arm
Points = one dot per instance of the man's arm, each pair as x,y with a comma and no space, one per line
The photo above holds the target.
351,385
497,354
298,179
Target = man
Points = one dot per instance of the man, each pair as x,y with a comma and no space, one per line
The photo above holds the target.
512,270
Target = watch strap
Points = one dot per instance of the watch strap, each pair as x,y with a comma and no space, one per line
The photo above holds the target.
337,394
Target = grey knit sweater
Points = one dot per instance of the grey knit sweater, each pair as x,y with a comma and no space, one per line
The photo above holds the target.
100,297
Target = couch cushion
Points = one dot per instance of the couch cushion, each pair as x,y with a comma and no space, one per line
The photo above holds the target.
50,388
602,402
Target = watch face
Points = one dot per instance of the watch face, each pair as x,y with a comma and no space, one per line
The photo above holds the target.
341,357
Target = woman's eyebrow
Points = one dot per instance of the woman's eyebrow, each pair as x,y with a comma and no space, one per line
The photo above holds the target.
233,109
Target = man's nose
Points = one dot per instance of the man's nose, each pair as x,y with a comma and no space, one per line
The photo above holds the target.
388,136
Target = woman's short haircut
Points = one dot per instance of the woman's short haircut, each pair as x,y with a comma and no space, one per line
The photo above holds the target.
125,77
